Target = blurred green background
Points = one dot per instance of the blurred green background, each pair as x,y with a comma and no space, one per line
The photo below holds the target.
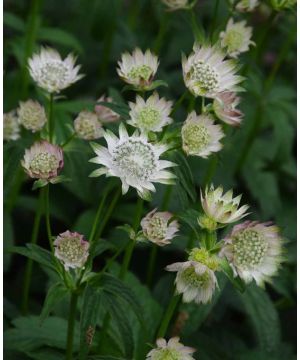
258,160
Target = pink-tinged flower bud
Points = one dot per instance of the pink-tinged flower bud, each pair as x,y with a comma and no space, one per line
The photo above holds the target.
71,249
32,115
43,160
158,228
224,107
105,114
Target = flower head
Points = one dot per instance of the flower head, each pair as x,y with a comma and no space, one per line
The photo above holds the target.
51,73
170,350
247,5
179,4
87,126
43,160
221,208
254,250
134,160
224,106
105,114
150,115
195,280
32,115
11,127
158,228
138,69
206,73
200,136
236,38
71,249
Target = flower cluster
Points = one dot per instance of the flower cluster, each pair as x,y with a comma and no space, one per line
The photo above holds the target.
172,349
11,127
32,115
87,126
173,5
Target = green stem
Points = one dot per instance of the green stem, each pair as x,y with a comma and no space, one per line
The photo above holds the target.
97,217
198,31
29,263
212,167
68,140
214,21
30,37
71,325
131,244
151,264
47,214
163,28
168,316
51,124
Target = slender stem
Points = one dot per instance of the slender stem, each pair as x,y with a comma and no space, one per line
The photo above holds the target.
131,244
163,28
178,102
151,264
71,325
68,140
47,214
198,31
168,315
51,124
212,167
214,21
97,217
30,37
29,263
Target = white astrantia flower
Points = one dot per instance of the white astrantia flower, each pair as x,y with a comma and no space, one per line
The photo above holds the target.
134,160
51,72
194,280
224,106
158,228
105,114
247,5
43,160
200,136
254,251
138,69
87,126
173,5
32,115
71,249
11,127
220,208
150,115
236,38
170,350
206,72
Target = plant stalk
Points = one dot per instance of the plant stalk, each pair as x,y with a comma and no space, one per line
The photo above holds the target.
51,123
168,316
71,325
47,214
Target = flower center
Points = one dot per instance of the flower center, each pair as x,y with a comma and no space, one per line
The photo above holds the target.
148,118
54,73
167,354
72,249
233,39
195,136
206,78
249,248
143,71
135,159
202,256
44,163
190,276
157,227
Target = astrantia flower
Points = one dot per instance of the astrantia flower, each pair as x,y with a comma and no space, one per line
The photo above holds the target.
179,4
206,73
43,160
247,5
51,73
224,106
200,136
105,114
254,251
134,160
87,126
195,280
11,127
158,228
32,115
71,249
138,69
236,38
171,350
221,208
150,115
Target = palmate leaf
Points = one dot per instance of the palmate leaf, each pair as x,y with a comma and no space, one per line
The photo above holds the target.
264,318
